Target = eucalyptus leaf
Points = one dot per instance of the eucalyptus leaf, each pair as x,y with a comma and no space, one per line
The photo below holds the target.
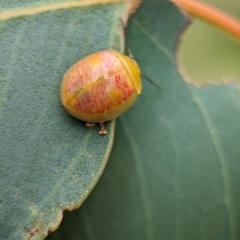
49,161
174,171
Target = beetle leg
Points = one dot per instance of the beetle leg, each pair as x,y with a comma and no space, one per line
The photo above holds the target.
88,124
102,130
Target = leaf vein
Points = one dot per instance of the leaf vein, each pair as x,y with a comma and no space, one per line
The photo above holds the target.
223,163
142,183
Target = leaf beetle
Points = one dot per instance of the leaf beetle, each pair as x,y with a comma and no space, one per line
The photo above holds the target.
101,87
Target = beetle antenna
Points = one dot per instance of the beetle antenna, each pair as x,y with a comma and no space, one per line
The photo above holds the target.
151,81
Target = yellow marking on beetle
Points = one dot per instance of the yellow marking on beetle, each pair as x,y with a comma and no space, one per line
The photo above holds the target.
81,91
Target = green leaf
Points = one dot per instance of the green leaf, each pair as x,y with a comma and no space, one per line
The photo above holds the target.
174,169
49,161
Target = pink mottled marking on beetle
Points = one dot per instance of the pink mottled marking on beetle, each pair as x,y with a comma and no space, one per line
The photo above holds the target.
75,80
101,68
100,99
96,101
109,61
102,89
124,86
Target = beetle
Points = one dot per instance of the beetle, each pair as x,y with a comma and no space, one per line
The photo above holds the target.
101,87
